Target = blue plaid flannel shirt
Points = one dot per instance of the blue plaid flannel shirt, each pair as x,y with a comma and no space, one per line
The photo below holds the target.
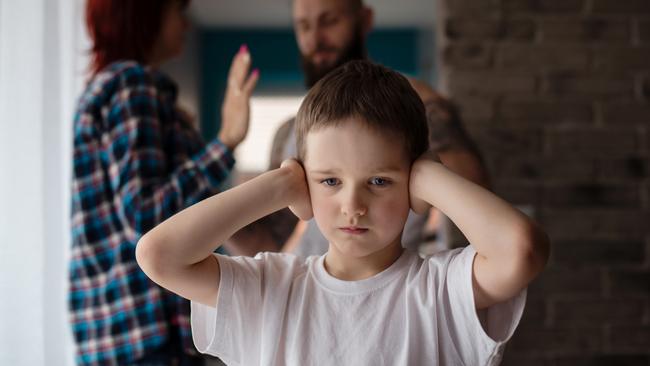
137,161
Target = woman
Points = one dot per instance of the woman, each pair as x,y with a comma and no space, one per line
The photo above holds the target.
137,161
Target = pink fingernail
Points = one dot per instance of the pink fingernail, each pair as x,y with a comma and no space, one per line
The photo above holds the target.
256,71
243,48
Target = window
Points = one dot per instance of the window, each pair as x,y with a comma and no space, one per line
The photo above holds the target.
268,113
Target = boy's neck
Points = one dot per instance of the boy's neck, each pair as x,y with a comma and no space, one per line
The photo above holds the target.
347,268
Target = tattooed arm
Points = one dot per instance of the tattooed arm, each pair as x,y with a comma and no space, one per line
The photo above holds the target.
448,138
270,233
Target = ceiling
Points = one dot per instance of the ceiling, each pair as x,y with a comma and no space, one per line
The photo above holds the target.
277,13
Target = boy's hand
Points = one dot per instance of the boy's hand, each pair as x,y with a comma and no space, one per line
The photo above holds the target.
419,205
299,200
235,111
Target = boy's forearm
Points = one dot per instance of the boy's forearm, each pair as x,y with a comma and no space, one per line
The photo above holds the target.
194,233
495,228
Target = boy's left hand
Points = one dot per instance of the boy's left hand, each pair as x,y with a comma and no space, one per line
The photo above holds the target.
419,205
300,201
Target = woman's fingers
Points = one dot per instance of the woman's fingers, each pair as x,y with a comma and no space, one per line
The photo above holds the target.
251,82
238,70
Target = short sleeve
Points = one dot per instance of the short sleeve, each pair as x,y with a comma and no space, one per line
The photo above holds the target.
251,302
479,337
212,326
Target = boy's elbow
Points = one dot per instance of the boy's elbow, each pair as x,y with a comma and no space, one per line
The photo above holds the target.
533,249
146,256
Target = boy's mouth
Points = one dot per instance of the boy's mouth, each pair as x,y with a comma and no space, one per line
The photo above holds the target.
354,230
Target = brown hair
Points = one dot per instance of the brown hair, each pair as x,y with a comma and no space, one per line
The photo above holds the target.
380,97
124,29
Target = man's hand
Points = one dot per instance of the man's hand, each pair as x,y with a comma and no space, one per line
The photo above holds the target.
300,201
235,111
419,205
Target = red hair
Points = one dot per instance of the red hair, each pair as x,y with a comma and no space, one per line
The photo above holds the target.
124,29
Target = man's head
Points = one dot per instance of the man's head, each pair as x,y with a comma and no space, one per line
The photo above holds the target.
329,33
358,131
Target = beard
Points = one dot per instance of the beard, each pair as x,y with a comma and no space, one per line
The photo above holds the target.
355,50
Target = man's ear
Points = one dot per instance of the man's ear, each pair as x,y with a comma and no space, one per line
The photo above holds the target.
367,20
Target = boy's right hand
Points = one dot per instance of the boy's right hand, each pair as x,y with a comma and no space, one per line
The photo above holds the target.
299,199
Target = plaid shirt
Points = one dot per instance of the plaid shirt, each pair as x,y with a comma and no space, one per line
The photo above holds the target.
137,161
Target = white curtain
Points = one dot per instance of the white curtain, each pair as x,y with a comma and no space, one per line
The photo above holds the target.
42,62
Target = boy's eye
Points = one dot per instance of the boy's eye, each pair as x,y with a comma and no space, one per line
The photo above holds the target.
331,182
378,181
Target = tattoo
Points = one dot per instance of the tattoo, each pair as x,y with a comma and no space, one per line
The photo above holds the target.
445,129
279,225
446,135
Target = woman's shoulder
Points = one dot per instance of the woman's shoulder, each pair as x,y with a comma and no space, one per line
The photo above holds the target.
117,78
123,74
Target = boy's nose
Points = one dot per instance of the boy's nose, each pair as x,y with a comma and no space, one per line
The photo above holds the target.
352,211
353,205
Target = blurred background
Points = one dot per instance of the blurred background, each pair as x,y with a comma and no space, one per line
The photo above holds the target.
555,92
402,39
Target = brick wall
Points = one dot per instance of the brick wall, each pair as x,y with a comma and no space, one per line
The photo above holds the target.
557,95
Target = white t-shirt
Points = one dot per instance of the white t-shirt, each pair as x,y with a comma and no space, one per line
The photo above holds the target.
278,309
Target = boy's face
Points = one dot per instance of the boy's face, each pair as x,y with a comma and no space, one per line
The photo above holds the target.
358,183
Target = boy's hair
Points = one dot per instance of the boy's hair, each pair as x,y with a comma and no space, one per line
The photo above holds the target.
380,97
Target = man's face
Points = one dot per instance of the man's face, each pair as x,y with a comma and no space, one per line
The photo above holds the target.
358,184
329,33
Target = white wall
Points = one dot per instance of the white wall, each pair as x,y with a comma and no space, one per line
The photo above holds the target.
40,78
268,113
185,70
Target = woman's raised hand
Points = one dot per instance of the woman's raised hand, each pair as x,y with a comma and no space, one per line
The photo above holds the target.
235,111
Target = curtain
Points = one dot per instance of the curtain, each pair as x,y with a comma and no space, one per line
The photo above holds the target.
42,60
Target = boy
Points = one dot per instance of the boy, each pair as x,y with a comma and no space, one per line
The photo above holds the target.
361,138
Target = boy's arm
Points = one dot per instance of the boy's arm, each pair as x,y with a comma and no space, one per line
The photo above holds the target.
178,254
511,249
